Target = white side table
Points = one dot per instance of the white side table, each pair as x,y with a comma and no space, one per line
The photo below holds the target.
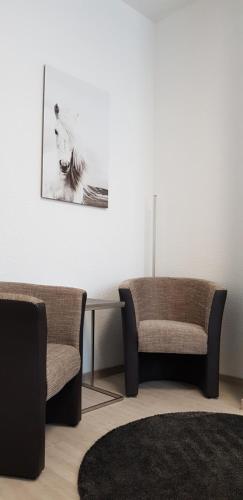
95,305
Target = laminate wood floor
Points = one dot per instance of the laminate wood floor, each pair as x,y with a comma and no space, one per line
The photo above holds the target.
65,447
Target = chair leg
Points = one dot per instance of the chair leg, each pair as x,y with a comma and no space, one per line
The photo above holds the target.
131,388
22,439
210,386
209,393
65,407
131,374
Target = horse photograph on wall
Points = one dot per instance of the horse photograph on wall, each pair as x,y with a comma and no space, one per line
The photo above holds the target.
75,152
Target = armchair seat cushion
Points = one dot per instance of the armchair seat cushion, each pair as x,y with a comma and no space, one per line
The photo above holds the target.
62,364
171,337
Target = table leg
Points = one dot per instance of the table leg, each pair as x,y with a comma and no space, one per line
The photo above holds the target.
115,397
92,346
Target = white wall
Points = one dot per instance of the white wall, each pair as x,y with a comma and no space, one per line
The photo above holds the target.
108,44
199,175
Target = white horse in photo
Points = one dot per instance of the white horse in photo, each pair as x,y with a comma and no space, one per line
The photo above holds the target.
68,181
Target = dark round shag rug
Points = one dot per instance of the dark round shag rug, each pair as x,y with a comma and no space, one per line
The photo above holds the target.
189,456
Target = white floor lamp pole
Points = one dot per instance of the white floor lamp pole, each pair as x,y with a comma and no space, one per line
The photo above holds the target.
154,235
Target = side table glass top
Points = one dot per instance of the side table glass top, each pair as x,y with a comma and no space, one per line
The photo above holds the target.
94,304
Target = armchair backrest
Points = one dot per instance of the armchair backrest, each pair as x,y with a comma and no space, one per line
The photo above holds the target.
63,309
177,299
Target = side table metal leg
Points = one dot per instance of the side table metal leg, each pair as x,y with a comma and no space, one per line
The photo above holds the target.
92,345
114,397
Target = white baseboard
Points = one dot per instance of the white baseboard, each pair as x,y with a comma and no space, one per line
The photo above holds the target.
236,381
105,372
232,380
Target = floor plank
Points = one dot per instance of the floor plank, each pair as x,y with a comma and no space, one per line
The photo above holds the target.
65,447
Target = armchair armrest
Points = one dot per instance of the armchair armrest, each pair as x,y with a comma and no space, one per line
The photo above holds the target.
23,341
214,334
130,336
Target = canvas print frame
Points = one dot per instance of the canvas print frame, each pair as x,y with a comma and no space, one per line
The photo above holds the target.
75,152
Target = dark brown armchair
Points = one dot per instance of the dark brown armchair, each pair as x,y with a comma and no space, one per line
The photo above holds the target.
41,339
171,329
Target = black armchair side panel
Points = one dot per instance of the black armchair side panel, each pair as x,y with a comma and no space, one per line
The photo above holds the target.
211,380
23,333
130,343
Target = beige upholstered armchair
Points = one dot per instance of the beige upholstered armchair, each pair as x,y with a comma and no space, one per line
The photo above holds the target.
41,338
171,330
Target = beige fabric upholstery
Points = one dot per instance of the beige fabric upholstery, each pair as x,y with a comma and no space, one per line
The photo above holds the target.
171,337
20,298
63,309
173,299
62,364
